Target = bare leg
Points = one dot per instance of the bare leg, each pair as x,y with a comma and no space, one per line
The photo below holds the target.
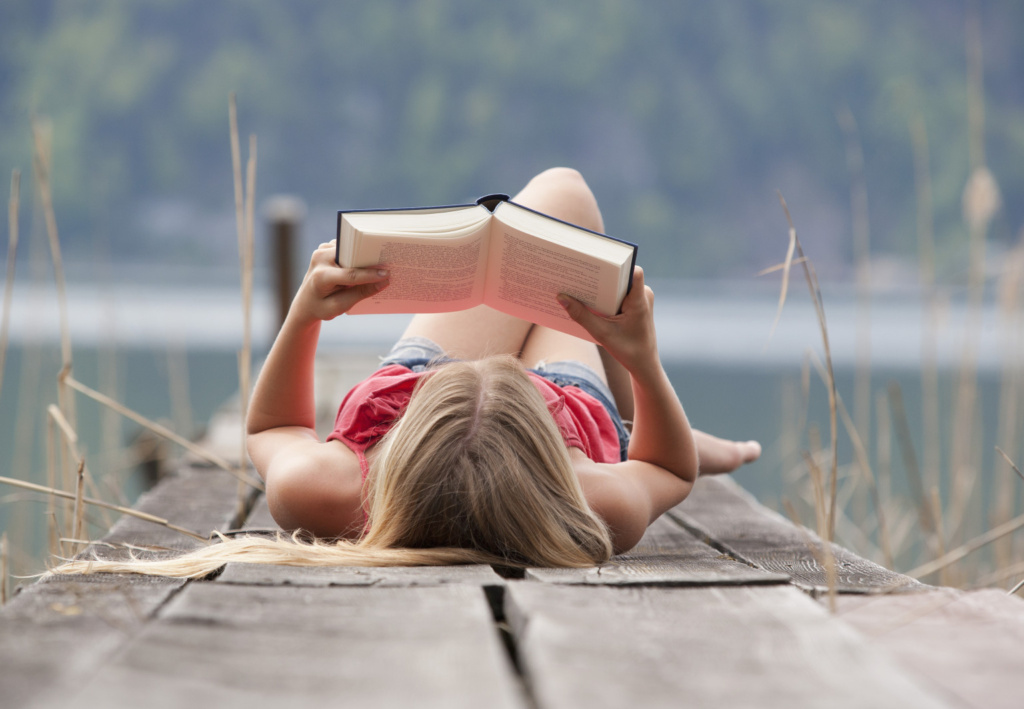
471,334
718,455
483,331
547,345
619,383
564,194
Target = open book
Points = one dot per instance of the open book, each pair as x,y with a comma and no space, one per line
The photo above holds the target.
494,252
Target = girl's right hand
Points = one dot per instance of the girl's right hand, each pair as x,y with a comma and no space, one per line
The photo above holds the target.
629,336
328,290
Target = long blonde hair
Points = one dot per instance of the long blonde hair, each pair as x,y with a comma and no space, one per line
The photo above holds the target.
475,471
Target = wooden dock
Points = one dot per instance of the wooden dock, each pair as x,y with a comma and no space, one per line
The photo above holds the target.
721,605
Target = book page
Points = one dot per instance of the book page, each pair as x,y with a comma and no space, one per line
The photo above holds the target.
525,274
427,276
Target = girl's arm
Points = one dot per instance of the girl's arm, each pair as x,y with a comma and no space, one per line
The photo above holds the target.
312,485
663,464
283,396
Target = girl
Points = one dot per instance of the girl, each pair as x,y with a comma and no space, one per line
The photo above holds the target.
482,438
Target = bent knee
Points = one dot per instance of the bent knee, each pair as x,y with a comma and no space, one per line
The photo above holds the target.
561,177
563,193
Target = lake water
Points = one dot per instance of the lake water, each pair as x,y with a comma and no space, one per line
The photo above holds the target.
168,352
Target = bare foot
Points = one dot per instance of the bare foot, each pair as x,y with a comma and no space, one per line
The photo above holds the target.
718,455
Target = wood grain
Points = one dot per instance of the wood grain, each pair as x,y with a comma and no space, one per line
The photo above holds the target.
967,643
758,646
722,513
259,516
260,521
199,499
58,631
224,645
268,575
667,554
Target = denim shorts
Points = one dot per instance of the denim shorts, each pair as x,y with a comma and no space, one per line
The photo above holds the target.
419,353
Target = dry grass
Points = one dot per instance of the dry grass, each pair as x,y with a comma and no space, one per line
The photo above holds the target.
65,465
862,266
12,253
54,492
796,249
3,569
244,220
948,526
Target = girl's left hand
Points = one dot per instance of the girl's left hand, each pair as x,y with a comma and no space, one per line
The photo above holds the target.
328,290
629,336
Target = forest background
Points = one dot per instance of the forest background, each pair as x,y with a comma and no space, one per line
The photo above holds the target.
685,117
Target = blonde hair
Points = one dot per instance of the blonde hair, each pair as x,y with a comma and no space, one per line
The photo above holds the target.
475,471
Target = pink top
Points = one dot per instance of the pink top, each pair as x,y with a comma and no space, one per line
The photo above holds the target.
373,405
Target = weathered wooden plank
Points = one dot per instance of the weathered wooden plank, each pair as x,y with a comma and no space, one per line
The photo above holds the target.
55,633
269,575
667,554
763,646
74,623
198,499
967,643
223,645
724,514
259,516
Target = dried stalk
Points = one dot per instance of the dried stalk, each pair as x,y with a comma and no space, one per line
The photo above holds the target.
1001,508
999,575
51,479
786,265
862,257
71,444
245,358
100,503
980,203
931,458
3,568
12,253
41,162
1016,588
864,464
159,430
79,507
819,493
244,222
936,502
960,552
1012,465
906,446
812,285
779,267
883,446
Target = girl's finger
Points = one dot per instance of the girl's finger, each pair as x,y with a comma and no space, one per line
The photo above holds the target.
343,300
347,277
576,310
637,288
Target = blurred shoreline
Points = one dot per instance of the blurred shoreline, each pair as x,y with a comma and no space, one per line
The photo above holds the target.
709,322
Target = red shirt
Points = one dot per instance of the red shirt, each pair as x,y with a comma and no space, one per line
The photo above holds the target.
372,407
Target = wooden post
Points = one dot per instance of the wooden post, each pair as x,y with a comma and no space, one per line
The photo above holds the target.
284,215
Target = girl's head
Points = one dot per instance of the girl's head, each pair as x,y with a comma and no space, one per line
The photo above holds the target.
477,463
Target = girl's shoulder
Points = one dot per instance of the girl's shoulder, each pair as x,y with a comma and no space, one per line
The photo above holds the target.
317,487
